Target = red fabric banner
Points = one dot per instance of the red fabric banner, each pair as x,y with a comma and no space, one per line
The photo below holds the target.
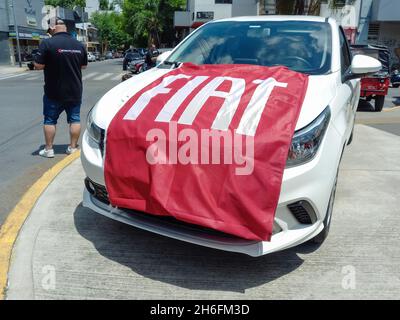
207,145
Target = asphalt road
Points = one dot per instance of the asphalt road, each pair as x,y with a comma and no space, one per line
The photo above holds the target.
388,120
21,134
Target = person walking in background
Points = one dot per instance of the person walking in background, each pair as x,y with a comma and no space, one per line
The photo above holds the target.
61,57
151,57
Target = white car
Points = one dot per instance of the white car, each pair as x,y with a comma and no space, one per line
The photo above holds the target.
313,45
91,57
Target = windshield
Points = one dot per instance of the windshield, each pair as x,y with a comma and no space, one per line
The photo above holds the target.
302,46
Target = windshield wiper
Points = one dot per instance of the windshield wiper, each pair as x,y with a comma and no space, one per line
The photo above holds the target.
175,64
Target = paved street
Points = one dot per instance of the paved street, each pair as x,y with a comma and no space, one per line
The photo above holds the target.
388,120
92,257
21,134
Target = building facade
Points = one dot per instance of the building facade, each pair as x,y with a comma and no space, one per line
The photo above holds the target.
369,21
199,12
88,35
29,18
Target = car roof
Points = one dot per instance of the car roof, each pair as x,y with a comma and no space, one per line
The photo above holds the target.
277,18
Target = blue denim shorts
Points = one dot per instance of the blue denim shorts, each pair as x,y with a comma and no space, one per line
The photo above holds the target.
52,110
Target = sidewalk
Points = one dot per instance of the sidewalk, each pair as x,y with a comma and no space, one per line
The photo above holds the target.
65,251
7,70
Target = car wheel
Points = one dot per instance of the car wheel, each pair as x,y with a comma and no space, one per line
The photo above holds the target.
379,102
396,85
318,239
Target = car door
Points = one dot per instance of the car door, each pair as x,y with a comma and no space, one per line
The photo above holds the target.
349,89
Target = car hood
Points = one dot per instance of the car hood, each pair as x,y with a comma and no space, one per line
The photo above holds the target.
320,91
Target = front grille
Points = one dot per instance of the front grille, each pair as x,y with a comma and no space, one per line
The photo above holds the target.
97,190
100,193
303,212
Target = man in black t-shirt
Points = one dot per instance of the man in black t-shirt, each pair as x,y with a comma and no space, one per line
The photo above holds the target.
61,57
151,57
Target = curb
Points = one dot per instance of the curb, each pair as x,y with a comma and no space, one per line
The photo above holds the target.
10,229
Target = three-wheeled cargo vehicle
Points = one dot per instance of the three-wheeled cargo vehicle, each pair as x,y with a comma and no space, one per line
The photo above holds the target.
375,86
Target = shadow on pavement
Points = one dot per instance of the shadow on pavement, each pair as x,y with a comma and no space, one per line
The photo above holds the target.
179,263
58,149
365,106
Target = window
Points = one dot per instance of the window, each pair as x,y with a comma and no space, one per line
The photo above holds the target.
223,1
345,56
373,32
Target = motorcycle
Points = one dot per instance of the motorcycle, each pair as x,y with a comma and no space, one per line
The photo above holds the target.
135,67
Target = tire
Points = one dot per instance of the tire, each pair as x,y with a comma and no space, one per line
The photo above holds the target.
320,238
379,102
396,85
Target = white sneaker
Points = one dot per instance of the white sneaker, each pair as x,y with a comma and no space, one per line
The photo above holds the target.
71,150
46,153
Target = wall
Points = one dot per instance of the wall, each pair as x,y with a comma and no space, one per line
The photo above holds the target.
4,48
28,13
348,16
221,11
389,35
244,8
386,10
365,18
3,16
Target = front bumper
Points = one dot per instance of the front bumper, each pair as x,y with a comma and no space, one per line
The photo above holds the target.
310,183
281,240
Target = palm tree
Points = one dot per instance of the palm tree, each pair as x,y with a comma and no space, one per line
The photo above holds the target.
149,22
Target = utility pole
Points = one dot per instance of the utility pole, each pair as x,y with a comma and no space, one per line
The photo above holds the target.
17,34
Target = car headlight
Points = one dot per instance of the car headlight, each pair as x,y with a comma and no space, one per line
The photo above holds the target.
306,142
94,131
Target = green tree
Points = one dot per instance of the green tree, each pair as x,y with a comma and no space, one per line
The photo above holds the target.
66,3
110,30
150,21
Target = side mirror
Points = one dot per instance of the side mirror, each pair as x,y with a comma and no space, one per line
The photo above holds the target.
362,65
163,56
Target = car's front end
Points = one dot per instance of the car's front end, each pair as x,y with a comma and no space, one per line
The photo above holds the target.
308,180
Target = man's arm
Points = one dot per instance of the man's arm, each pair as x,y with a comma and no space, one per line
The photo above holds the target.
39,66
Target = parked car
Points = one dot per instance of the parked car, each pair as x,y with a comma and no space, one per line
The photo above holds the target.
375,86
117,55
395,78
315,46
91,57
97,55
129,57
108,55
